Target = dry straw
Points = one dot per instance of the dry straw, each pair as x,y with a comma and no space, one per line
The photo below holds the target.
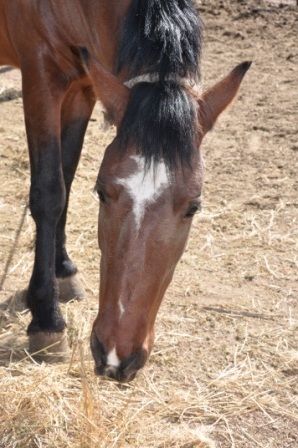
225,365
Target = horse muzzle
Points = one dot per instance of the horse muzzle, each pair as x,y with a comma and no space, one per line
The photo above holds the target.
126,369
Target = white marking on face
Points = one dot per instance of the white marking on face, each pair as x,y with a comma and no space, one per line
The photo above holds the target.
121,308
145,186
112,358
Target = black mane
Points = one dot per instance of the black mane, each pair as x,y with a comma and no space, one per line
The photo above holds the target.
161,37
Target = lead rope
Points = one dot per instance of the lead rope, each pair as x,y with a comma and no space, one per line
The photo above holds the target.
13,249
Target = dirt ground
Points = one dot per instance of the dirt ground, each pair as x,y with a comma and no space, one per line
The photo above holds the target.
225,364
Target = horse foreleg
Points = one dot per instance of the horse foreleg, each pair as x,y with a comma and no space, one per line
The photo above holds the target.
43,98
76,111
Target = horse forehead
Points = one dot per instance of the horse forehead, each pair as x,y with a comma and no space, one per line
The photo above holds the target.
145,185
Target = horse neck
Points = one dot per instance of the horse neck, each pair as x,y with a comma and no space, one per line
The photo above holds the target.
104,20
95,24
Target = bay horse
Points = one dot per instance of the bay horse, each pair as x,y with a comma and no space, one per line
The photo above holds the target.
141,60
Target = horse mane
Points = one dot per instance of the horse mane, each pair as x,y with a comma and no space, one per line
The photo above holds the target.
161,37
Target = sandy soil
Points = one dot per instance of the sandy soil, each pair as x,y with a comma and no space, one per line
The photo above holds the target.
225,365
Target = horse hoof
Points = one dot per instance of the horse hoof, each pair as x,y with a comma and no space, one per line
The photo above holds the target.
49,347
70,288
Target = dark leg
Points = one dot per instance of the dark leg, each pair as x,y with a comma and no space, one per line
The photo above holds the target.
42,106
76,112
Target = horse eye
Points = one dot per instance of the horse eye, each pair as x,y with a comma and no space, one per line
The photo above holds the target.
193,209
102,196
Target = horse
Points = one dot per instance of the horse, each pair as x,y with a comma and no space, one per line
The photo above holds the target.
141,59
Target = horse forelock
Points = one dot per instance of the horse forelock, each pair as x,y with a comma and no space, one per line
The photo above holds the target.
161,123
161,38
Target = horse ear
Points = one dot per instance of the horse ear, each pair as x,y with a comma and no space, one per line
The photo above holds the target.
214,101
108,89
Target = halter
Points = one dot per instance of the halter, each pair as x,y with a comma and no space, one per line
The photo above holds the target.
154,77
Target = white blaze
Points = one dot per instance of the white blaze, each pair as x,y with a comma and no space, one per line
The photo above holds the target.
145,186
121,307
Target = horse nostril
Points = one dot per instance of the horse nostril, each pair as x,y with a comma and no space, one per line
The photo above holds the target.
130,366
127,376
99,353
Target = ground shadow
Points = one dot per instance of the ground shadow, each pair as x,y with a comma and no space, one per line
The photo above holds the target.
236,313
